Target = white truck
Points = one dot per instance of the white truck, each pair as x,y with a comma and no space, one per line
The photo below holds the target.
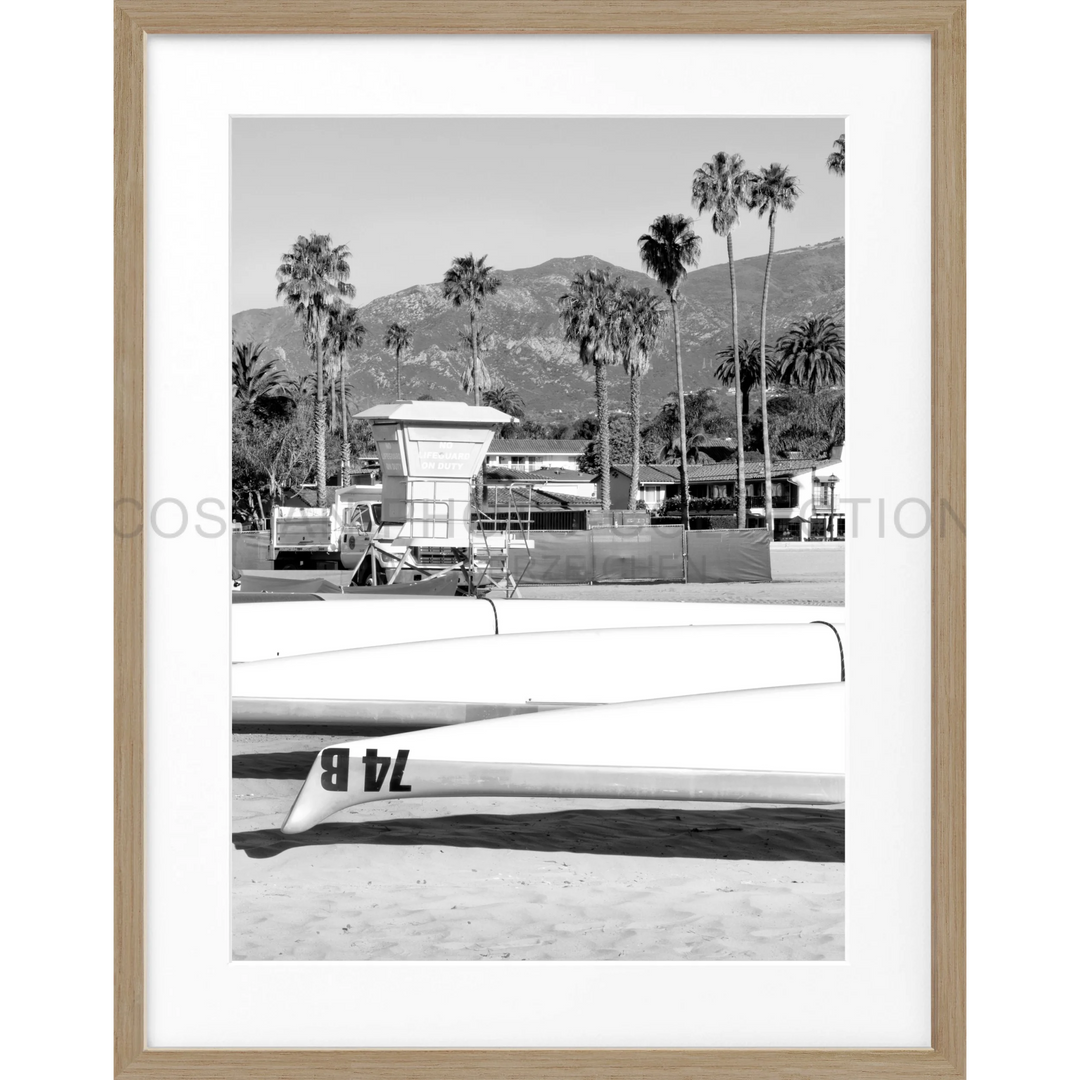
311,537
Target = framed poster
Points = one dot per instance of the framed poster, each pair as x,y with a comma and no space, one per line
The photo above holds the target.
947,30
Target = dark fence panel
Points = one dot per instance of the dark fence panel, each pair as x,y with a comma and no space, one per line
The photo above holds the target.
251,551
652,553
729,555
561,558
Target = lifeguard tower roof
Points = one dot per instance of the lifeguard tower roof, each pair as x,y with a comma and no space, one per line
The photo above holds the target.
435,412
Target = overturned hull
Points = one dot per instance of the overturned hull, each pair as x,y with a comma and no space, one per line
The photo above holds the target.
276,629
440,683
779,745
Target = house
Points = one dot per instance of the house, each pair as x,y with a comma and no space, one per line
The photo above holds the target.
528,455
808,493
550,481
518,505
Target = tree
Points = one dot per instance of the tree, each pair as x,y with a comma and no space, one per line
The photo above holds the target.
256,378
468,283
270,456
835,161
773,190
750,372
506,399
723,185
344,331
668,250
703,420
650,446
811,353
398,338
478,375
810,425
312,277
589,311
637,327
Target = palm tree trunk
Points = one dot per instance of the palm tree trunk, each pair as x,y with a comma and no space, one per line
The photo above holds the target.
764,382
397,360
475,357
740,449
320,424
684,479
635,437
346,456
604,433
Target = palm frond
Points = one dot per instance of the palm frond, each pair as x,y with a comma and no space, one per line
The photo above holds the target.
669,249
722,185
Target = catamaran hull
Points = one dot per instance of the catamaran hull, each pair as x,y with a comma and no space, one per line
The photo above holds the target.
271,630
428,684
781,745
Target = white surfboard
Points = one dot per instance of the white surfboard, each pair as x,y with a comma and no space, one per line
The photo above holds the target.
266,631
757,746
428,684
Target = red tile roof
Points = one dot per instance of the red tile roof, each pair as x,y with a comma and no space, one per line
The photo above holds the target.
782,468
568,447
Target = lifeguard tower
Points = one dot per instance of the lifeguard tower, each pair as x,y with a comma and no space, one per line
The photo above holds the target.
430,451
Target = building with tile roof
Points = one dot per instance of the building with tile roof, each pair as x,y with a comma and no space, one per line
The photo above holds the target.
528,455
808,493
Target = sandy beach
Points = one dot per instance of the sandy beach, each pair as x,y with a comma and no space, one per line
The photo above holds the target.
542,879
527,879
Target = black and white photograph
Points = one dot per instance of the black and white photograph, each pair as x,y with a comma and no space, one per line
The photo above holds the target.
539,493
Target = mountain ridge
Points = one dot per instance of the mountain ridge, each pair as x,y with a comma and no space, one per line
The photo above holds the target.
527,351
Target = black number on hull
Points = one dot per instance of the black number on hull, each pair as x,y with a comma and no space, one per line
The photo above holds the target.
376,767
374,770
335,765
399,772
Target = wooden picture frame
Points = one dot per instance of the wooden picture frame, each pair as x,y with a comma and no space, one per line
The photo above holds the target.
944,22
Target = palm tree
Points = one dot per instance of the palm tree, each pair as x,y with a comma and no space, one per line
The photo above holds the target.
773,190
589,311
811,353
468,283
344,331
723,185
255,377
749,373
835,161
312,277
506,399
398,339
638,325
668,250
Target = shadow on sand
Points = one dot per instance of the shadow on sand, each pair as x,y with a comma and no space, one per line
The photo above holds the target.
805,834
291,765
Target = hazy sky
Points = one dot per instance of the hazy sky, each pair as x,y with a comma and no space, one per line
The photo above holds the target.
407,195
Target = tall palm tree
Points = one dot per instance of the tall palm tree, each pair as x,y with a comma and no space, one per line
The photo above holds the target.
774,189
312,277
640,313
835,161
254,376
749,373
668,250
398,339
468,283
344,331
723,185
811,353
589,311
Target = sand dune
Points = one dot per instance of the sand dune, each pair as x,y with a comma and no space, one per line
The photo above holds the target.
527,879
